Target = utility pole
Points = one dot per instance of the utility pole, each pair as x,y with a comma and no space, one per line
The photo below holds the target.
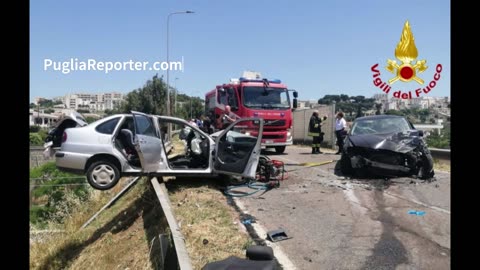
38,114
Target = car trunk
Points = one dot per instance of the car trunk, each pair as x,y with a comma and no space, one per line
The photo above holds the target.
54,138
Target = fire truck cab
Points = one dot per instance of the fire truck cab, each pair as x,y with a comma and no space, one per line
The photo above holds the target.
255,97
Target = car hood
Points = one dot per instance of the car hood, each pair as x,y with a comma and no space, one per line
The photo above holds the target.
398,142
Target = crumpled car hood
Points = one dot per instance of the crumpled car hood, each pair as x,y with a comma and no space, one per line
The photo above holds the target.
397,142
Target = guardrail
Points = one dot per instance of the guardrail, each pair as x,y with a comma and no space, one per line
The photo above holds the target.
184,262
443,154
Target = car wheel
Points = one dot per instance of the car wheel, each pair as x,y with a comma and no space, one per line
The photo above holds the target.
280,149
103,175
426,169
346,165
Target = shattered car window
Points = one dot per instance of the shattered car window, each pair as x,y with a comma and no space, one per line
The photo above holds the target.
386,125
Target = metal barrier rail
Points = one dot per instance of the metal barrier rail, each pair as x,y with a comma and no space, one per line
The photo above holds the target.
184,262
443,154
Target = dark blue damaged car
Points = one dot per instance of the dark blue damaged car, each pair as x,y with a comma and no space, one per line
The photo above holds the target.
385,145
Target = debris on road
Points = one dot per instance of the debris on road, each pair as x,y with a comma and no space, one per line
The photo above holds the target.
418,213
277,235
248,221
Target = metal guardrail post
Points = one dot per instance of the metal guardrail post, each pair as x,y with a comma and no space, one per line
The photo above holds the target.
178,240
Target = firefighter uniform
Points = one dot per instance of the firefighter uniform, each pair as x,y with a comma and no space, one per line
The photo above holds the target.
314,130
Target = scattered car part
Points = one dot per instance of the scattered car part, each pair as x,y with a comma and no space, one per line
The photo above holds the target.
277,235
259,258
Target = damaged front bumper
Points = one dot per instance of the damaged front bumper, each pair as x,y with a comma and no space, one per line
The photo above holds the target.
362,162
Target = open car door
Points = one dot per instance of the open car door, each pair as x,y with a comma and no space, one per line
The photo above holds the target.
237,148
54,137
147,142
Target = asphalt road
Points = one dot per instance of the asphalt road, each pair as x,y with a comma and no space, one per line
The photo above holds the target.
340,223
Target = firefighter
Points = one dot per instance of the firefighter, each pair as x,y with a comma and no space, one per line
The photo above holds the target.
314,130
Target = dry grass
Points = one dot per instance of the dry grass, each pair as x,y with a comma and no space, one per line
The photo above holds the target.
119,238
441,165
211,226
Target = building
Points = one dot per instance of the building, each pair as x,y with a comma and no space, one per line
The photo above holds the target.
93,102
37,100
45,120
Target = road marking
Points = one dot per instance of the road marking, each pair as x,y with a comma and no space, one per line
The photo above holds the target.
418,202
262,233
352,198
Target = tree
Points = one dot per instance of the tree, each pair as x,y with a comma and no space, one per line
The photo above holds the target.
344,98
359,112
437,140
109,112
148,99
378,106
90,119
328,99
394,112
45,103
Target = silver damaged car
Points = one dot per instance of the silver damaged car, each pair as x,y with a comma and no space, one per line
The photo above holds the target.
137,144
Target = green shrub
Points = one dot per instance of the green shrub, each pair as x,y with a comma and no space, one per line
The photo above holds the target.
43,134
39,214
35,139
34,129
54,184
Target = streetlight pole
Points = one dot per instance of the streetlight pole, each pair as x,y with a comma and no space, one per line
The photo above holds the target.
168,62
176,91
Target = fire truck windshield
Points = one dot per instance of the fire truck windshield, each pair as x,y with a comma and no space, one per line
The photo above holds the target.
266,98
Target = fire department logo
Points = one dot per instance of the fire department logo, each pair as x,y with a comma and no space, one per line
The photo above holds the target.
406,52
407,69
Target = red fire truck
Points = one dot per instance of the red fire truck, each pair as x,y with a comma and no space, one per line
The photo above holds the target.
256,97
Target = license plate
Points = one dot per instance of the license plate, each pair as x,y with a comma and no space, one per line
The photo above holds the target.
268,141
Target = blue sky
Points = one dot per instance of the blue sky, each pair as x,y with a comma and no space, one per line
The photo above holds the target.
315,47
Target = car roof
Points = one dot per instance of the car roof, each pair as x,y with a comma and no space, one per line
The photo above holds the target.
381,116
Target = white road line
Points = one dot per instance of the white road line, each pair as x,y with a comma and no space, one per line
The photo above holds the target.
417,202
262,233
354,199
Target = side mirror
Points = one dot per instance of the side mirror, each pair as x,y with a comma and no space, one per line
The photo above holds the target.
295,103
295,94
420,133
